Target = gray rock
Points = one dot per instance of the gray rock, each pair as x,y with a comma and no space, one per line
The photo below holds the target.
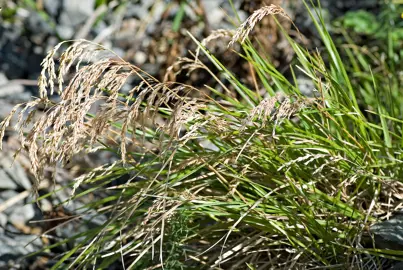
3,222
9,89
75,12
20,98
12,170
46,205
65,31
215,14
22,214
23,12
6,182
119,51
3,219
137,11
5,195
306,86
37,23
397,266
140,58
16,245
389,234
52,6
158,9
3,79
62,195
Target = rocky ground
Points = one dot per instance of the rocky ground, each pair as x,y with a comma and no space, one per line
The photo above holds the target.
138,31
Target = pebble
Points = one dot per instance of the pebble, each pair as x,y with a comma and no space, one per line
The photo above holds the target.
6,195
389,234
52,7
46,205
13,173
140,58
75,12
65,31
6,182
14,246
22,214
3,222
7,89
215,14
306,86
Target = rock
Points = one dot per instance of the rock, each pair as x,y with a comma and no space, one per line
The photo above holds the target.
119,51
213,12
6,182
12,170
3,79
306,86
8,194
75,12
52,7
65,31
46,205
22,12
22,214
151,68
17,59
13,247
389,234
37,24
5,195
3,222
138,10
9,89
397,266
140,58
5,108
158,10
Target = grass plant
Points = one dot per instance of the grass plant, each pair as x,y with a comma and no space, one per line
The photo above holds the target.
233,179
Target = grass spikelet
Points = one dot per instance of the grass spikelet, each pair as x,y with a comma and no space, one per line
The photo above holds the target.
246,27
215,34
276,109
67,127
309,194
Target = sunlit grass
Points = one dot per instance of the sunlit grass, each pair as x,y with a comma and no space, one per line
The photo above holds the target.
234,181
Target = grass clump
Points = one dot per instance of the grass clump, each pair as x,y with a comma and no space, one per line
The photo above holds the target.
232,179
